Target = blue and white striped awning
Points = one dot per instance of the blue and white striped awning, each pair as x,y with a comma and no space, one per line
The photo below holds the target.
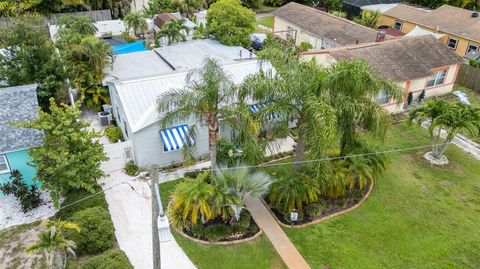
256,107
174,138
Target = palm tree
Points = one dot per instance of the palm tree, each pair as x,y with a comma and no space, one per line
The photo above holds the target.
449,117
188,7
82,25
292,192
175,31
135,21
207,91
352,87
53,245
192,200
361,172
237,183
293,93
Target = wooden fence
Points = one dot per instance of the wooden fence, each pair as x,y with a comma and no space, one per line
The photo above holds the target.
469,76
95,15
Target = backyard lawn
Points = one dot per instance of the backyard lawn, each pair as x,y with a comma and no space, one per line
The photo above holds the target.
418,216
256,254
265,21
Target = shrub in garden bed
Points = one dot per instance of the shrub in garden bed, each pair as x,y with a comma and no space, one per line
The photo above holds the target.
96,230
211,207
131,168
113,133
110,259
29,197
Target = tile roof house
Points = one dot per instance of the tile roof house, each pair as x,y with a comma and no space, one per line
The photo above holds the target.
460,27
416,63
18,104
305,24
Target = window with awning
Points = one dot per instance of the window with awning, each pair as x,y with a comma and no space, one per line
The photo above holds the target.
256,107
175,138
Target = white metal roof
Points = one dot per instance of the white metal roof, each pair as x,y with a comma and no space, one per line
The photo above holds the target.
139,96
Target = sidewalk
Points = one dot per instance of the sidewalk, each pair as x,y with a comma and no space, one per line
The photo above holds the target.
285,248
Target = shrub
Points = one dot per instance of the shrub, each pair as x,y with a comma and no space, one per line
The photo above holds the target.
314,209
110,259
243,224
128,37
29,197
113,133
73,196
216,232
191,174
131,168
96,230
198,230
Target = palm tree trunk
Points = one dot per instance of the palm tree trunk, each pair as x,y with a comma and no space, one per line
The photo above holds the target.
212,142
299,150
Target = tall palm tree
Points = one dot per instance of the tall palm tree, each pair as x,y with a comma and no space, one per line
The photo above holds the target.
175,31
208,89
352,87
451,117
135,22
82,25
188,7
238,182
293,93
53,245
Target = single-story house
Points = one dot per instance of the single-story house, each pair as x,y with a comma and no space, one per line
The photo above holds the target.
460,27
161,19
18,104
353,8
417,64
322,30
134,91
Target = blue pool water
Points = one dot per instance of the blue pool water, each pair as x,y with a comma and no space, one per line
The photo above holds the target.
19,160
129,48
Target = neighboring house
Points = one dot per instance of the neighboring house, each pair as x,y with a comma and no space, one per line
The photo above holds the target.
305,24
460,27
416,63
353,8
134,89
17,104
161,19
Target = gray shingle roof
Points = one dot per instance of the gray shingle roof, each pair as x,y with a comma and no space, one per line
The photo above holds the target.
401,59
341,31
18,104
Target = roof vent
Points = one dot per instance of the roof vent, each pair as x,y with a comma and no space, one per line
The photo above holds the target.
475,14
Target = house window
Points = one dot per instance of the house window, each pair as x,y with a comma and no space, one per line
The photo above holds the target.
398,25
452,43
472,47
4,167
383,98
290,32
437,79
326,44
118,116
126,129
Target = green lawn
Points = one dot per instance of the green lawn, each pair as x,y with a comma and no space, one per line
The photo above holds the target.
257,254
418,216
473,97
264,8
266,21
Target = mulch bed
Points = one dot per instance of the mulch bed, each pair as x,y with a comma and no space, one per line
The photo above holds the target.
252,231
333,206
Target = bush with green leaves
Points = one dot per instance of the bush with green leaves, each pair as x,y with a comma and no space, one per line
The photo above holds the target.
131,168
226,152
216,232
314,209
113,133
110,259
97,233
292,192
29,197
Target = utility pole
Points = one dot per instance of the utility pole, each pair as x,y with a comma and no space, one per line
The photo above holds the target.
155,210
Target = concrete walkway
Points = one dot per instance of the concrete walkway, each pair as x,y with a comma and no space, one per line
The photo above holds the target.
285,248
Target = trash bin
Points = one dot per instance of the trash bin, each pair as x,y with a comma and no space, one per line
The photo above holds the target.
104,118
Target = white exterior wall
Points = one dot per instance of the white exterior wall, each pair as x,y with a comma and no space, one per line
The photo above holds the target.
118,112
302,35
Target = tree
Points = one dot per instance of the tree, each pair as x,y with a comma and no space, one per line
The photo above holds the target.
207,89
200,32
53,245
293,93
10,8
231,23
175,31
70,155
368,18
448,117
237,183
289,193
29,197
23,40
352,87
82,25
155,7
135,22
188,7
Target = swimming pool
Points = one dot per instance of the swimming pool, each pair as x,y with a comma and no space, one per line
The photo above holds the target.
129,48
